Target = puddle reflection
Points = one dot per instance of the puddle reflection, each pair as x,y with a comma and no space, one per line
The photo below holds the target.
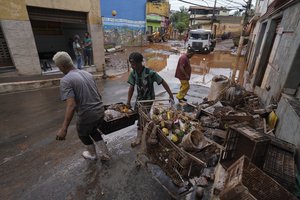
201,63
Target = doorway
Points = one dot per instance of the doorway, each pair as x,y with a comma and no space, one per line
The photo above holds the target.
54,31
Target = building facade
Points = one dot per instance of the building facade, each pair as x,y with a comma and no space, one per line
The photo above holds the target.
225,24
33,30
157,16
273,63
201,17
123,23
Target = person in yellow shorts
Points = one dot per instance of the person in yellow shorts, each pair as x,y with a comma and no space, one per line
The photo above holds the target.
183,73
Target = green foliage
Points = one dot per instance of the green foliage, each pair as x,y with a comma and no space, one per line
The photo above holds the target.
181,26
180,19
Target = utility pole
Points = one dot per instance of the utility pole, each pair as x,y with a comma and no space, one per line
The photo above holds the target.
240,47
213,17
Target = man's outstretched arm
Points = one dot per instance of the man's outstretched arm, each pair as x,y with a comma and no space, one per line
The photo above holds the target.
130,93
70,109
167,88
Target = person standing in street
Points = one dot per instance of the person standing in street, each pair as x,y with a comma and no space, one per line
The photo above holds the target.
80,92
77,51
87,49
143,78
186,37
183,73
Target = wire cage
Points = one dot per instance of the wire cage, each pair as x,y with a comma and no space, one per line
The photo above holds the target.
280,163
167,155
245,180
241,140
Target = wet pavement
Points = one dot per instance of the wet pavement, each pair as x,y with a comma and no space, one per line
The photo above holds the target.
163,57
35,166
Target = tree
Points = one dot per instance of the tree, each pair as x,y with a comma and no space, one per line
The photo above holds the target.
180,19
180,26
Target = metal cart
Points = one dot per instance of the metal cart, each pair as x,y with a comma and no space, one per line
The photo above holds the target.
175,163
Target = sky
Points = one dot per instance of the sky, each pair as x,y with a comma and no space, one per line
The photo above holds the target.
176,4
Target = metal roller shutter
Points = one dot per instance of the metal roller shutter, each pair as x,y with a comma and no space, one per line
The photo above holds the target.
55,15
5,59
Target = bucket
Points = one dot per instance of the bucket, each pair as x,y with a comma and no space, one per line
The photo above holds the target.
192,141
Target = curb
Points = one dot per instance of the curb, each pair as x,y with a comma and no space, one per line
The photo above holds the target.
22,86
27,85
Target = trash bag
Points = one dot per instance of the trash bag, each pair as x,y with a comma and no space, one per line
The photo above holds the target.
112,114
218,85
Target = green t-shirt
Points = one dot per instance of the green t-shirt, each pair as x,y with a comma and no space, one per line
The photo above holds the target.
144,83
86,42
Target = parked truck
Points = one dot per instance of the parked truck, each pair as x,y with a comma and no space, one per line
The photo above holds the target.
201,40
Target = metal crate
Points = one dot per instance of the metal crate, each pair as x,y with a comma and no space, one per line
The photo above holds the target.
246,181
109,126
242,140
280,164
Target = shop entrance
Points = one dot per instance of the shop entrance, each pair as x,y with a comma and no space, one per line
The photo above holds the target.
54,31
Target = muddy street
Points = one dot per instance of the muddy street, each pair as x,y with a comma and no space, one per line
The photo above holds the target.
35,166
163,57
223,123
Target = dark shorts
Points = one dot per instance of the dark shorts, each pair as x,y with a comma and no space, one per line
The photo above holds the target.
89,132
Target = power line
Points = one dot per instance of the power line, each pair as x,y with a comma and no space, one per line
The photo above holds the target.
225,5
194,3
235,2
232,7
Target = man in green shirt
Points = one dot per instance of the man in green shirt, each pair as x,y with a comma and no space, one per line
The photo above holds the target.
87,49
143,78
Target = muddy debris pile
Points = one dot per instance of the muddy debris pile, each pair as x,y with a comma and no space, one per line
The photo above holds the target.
115,59
219,145
244,128
174,141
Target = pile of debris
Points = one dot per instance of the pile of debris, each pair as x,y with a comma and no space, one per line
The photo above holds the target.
117,110
224,143
252,159
114,60
175,142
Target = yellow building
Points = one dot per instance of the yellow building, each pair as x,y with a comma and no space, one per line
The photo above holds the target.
201,17
31,31
157,16
225,24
